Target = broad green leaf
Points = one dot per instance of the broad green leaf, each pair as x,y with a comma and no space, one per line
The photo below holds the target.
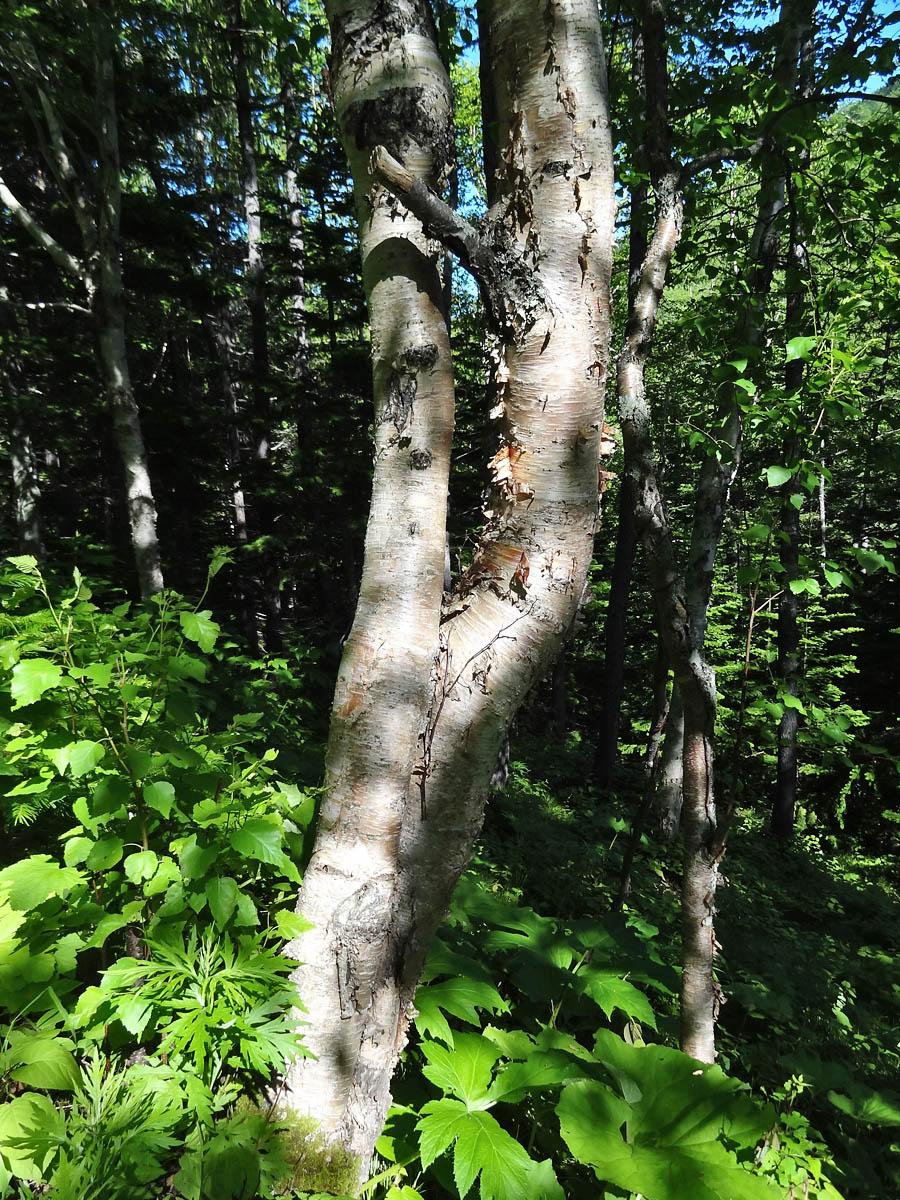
76,850
661,1158
31,678
29,1127
134,1011
196,860
246,911
481,1145
777,476
867,1105
104,854
542,1069
800,347
31,881
26,563
139,761
160,796
460,997
222,895
199,628
834,578
259,839
464,1070
141,866
41,1060
79,757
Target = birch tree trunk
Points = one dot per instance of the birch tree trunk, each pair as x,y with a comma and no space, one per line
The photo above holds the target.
109,307
99,269
255,280
390,88
422,705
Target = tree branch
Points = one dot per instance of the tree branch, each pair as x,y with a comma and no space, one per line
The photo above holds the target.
512,296
63,259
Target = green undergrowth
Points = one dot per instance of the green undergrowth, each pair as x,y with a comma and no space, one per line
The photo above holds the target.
157,786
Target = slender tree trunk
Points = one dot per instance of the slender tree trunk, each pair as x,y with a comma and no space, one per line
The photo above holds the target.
612,682
668,800
798,272
26,487
255,280
109,308
397,827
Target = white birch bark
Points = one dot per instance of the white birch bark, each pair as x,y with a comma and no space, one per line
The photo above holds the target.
99,269
395,833
389,87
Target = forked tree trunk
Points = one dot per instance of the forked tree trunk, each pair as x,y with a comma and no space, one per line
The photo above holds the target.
422,706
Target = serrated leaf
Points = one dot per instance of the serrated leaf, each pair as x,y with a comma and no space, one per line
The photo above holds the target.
31,678
31,881
481,1145
198,627
222,894
291,925
160,796
542,1069
246,911
26,563
134,1011
464,1070
610,991
460,997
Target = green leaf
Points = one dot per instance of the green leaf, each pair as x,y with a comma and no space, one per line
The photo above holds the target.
31,881
198,627
258,838
41,1060
867,1105
80,757
800,347
29,1125
777,476
160,796
290,924
465,1069
222,895
462,997
31,678
196,860
246,911
610,991
834,578
77,850
661,1137
481,1145
26,563
542,1069
104,854
141,866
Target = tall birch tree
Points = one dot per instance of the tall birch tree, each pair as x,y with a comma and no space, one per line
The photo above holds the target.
95,205
424,695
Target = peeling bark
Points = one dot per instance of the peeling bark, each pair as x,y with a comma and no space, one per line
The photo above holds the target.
424,698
